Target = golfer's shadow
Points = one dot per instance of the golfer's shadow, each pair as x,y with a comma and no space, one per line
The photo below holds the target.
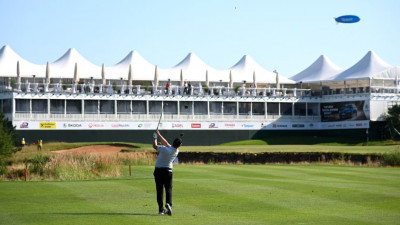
104,214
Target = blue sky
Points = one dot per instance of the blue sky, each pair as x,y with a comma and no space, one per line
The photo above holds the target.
284,35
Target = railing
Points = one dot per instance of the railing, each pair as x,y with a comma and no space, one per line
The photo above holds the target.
155,117
174,90
139,90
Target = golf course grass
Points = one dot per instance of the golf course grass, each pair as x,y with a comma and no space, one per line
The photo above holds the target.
214,194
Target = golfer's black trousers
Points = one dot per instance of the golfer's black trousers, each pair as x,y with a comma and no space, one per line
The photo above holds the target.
163,178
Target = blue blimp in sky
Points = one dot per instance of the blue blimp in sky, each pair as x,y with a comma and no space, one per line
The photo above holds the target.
347,19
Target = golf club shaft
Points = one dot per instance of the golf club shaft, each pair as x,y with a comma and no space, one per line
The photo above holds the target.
162,109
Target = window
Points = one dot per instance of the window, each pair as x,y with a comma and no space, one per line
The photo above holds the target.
107,107
123,107
200,108
39,105
258,108
57,106
22,105
230,108
91,106
74,107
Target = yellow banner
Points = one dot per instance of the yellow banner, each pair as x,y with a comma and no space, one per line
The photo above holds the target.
47,125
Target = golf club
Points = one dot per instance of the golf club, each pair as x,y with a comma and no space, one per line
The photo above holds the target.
162,110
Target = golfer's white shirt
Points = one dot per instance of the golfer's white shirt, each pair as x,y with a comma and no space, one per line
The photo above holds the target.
166,155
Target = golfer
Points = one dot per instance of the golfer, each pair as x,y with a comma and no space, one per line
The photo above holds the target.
163,171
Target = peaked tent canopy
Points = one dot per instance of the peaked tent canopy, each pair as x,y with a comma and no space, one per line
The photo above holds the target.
64,67
194,69
391,73
369,65
244,69
141,68
8,65
322,69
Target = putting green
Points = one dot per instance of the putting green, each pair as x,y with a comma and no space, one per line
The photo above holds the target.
214,194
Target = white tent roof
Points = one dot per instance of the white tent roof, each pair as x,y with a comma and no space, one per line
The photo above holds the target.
369,65
64,67
322,69
391,73
8,65
193,69
244,69
141,68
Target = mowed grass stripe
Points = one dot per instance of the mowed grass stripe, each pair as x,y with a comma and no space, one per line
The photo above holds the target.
325,193
214,194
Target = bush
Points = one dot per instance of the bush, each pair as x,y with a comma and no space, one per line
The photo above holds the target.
391,159
39,162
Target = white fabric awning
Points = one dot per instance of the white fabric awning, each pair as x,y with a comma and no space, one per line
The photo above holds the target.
369,65
141,68
322,69
246,67
193,69
8,65
64,67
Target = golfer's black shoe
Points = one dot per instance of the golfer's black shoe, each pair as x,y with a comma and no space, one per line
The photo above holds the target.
161,212
169,209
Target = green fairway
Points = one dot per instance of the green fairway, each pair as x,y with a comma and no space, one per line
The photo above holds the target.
214,194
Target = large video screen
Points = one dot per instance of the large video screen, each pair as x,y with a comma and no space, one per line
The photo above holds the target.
340,111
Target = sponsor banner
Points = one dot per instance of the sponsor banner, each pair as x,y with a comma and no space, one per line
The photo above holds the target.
345,125
47,125
290,125
344,111
68,125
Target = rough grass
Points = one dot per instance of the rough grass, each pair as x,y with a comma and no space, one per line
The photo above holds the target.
47,165
214,194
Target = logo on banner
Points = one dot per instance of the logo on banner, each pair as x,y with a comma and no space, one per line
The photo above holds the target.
119,125
212,125
297,125
311,124
66,125
279,125
177,125
196,125
247,125
24,125
230,125
47,125
95,125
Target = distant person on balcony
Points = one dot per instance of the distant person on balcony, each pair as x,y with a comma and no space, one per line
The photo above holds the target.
168,86
189,88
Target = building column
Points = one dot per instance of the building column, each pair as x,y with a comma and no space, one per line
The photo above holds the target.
279,109
208,109
237,109
115,108
83,108
292,109
30,108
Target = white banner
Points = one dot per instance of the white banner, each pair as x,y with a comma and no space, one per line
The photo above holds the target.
68,125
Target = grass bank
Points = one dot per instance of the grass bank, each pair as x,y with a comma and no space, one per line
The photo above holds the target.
214,194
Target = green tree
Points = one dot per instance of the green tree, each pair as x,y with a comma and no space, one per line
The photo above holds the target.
393,118
8,141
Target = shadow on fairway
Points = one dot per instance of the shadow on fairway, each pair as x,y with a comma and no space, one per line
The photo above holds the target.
104,214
